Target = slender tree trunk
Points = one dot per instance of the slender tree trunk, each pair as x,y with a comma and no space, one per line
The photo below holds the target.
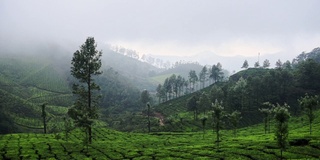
44,119
89,105
148,118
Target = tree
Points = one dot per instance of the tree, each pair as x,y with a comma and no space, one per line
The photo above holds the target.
234,118
216,93
245,64
266,64
204,103
216,72
256,65
145,99
202,75
85,63
282,116
44,118
217,114
279,64
240,88
308,104
192,106
193,78
159,92
266,114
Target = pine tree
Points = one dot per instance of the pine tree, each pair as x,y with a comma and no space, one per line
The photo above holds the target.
85,63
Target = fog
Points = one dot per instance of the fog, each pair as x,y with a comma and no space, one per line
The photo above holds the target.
167,27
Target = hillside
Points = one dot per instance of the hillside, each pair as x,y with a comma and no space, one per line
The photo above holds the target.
27,82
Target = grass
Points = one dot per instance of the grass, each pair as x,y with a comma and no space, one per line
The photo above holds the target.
251,143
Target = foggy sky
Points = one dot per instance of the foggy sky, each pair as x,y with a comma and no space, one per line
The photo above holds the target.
165,27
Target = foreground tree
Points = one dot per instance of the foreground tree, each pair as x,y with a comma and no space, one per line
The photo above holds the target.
267,116
282,116
308,103
217,114
85,63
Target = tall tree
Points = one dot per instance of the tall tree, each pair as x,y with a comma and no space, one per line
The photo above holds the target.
204,103
145,99
193,78
44,119
202,76
282,116
309,103
245,64
192,106
85,63
159,92
218,114
216,72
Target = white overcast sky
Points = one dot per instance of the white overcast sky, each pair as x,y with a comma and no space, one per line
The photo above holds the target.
167,27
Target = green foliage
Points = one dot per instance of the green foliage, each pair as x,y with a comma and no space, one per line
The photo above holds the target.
282,116
216,73
234,119
309,104
217,114
85,64
145,97
245,64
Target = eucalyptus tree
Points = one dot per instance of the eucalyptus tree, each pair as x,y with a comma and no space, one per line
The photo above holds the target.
145,99
85,63
193,78
218,114
216,72
180,83
44,118
159,93
309,104
204,103
202,75
193,106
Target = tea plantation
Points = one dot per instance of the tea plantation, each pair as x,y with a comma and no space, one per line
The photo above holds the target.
250,143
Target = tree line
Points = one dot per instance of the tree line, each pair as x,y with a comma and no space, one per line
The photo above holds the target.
176,86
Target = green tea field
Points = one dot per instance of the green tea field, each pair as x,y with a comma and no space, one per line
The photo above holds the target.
250,143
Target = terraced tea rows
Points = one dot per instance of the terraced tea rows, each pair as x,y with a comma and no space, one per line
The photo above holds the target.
108,144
